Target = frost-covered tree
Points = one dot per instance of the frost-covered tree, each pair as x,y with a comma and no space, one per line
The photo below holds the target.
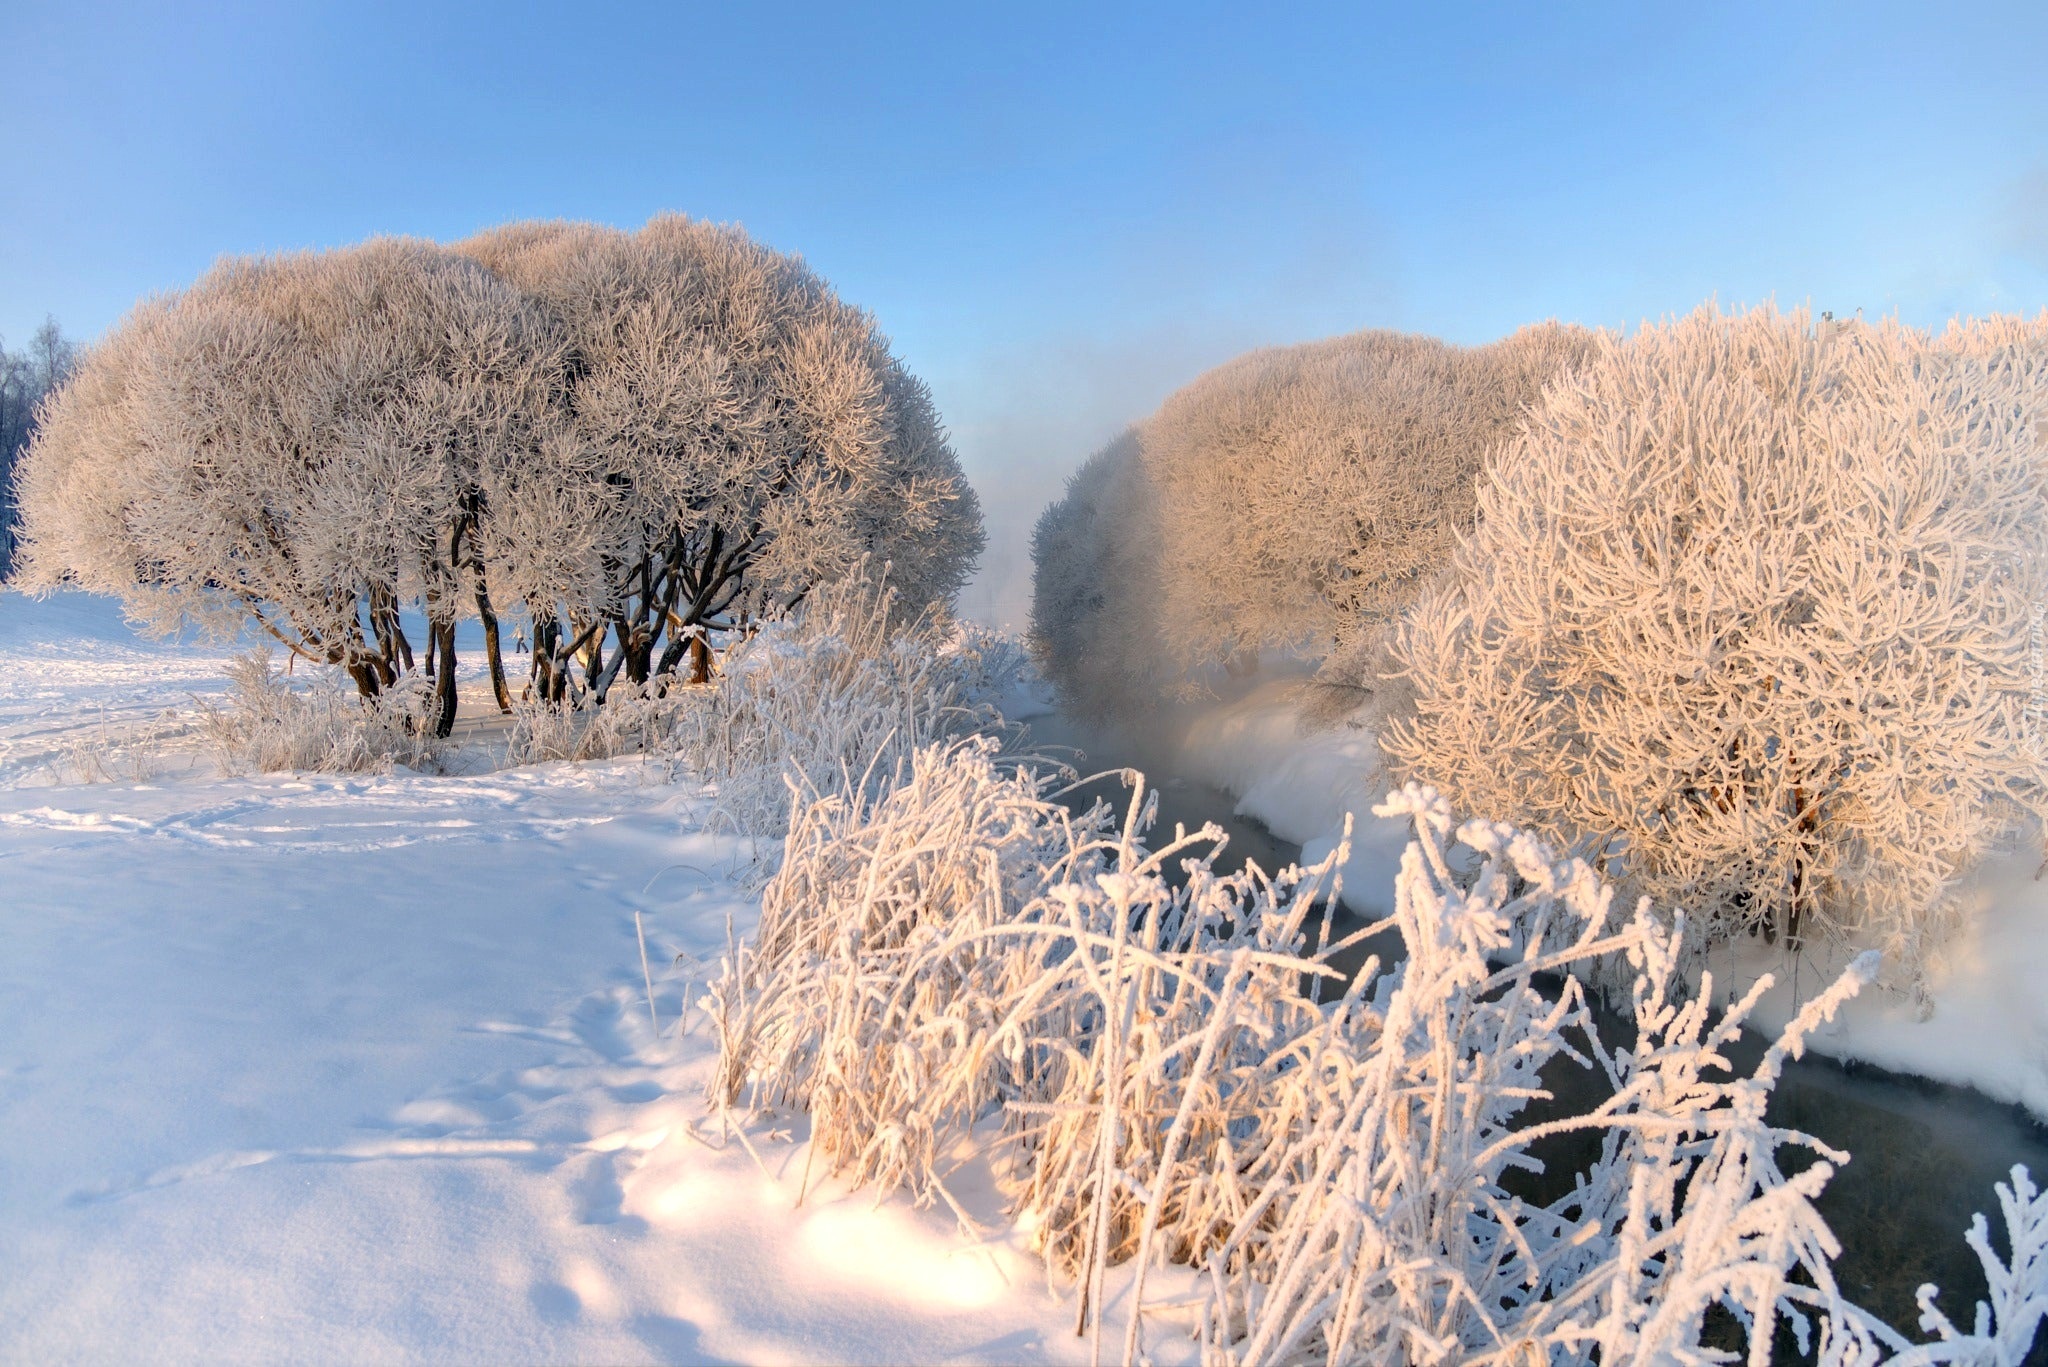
644,436
1094,602
295,440
1304,488
27,376
751,434
1752,612
1288,499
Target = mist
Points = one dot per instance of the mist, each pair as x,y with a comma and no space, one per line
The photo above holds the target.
1026,419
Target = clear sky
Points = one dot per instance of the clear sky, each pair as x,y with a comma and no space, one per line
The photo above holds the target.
1063,213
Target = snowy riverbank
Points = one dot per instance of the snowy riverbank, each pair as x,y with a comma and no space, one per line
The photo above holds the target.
361,1068
1989,1024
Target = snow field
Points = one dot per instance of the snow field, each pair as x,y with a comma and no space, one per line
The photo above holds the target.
360,1068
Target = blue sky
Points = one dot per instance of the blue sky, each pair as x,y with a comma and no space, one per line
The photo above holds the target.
1062,213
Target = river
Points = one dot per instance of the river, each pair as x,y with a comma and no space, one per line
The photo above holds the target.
1925,1155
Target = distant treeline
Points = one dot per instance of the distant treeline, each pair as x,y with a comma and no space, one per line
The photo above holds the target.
26,375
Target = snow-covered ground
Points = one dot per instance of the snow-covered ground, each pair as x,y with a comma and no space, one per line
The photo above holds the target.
1989,1024
75,683
362,1068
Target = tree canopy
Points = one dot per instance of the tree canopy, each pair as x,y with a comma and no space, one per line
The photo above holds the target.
1290,499
631,440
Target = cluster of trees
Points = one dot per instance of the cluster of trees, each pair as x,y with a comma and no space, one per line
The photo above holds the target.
27,376
629,441
1286,500
1746,606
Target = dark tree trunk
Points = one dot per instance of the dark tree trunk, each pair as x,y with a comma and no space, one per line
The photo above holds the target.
547,640
593,654
700,658
392,647
640,655
636,631
672,655
601,681
1803,891
441,641
555,663
364,664
492,650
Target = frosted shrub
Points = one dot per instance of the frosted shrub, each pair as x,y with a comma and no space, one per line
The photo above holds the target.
543,732
635,719
1290,499
1751,611
831,697
1171,1073
267,725
1302,488
110,752
836,698
865,997
1095,588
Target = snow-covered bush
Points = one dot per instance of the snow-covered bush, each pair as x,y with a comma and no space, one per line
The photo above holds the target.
134,752
864,996
1752,614
835,698
636,719
963,960
266,725
1289,499
1301,488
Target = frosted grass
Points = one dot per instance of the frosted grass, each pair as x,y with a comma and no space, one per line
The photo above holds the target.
1168,1072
